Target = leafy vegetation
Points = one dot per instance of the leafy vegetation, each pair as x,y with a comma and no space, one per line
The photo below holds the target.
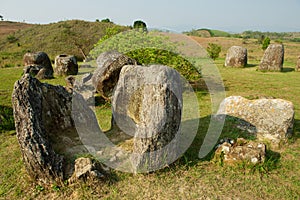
6,119
107,20
11,38
139,24
146,48
213,50
266,43
150,56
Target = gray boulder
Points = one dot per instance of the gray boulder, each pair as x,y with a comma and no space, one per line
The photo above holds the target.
65,65
106,75
236,57
147,104
45,129
273,58
38,65
273,118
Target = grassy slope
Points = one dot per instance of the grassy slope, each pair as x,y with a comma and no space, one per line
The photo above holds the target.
65,38
188,178
8,27
218,33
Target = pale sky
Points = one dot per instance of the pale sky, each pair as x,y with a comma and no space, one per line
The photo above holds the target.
175,15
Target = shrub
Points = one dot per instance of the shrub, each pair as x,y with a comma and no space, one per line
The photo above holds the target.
106,20
6,119
213,50
150,56
140,25
146,48
266,43
11,38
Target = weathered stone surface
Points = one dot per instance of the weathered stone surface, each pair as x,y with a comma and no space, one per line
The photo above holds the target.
65,65
38,64
297,69
273,58
45,129
241,151
147,104
86,168
86,89
273,118
236,57
106,75
70,81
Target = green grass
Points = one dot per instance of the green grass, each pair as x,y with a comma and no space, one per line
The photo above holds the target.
189,177
218,33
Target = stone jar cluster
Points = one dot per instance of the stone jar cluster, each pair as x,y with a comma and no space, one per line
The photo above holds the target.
272,59
146,101
39,65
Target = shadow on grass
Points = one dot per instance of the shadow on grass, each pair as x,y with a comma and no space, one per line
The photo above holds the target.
251,65
287,69
230,130
6,119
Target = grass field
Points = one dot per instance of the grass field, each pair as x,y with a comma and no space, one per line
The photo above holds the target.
189,177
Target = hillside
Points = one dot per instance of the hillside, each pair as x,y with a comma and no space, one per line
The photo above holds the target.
74,37
282,36
8,27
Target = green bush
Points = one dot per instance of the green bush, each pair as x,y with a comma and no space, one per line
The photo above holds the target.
150,56
147,48
6,119
213,50
106,20
11,38
130,40
140,25
266,43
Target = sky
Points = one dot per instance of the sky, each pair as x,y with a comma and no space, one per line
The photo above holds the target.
174,15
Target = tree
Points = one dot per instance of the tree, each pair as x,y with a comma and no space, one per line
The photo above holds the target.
213,50
1,17
106,20
140,25
266,43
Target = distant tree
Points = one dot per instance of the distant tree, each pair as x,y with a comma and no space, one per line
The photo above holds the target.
97,20
140,25
266,43
213,50
1,17
106,20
